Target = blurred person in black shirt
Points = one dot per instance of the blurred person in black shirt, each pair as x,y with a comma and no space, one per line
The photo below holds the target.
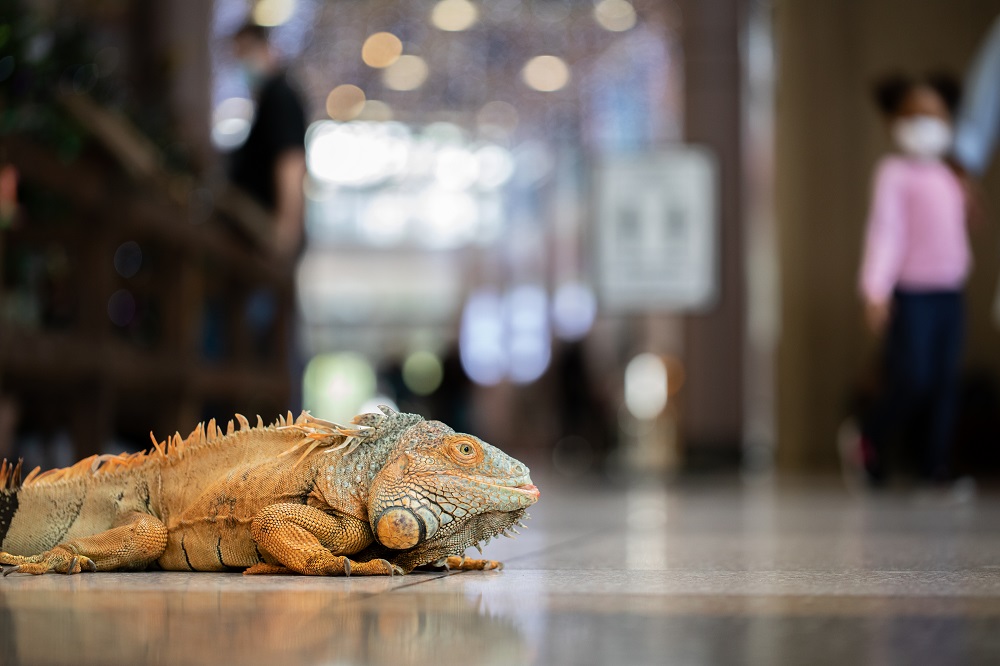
270,166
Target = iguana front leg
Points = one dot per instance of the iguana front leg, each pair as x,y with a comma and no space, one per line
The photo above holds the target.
136,541
306,540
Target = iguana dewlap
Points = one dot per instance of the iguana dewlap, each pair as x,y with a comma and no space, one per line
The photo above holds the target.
383,495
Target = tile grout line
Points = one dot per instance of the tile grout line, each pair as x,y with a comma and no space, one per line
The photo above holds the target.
427,579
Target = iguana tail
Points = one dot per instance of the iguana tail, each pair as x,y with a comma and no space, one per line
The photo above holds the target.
38,511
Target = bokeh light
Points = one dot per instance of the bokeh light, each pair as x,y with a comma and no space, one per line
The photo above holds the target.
646,386
356,154
481,338
376,111
121,307
546,73
432,187
529,348
128,259
231,122
345,102
443,133
456,168
573,310
422,372
534,162
448,219
335,386
381,50
454,15
408,73
271,13
384,221
374,404
615,15
495,166
497,115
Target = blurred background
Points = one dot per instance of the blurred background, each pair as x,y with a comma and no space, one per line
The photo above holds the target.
612,237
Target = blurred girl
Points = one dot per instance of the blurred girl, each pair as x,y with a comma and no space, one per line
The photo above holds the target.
915,263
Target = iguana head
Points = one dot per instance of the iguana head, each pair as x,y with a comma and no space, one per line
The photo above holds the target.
441,492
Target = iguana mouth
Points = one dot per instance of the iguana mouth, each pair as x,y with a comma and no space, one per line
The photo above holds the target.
525,489
528,488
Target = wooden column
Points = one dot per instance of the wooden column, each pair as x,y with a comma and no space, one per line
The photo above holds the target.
713,345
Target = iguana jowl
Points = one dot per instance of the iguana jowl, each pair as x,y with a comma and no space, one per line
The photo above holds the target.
385,494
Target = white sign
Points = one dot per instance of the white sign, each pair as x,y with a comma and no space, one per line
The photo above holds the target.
657,231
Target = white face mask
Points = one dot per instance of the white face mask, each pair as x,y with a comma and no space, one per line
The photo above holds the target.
922,136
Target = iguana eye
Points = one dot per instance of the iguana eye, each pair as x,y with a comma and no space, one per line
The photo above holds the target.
465,452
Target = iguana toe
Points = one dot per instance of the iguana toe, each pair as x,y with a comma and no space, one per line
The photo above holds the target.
377,567
34,569
458,563
264,569
57,560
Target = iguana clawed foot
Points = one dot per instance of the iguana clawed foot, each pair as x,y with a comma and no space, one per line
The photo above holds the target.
468,564
58,560
265,569
341,566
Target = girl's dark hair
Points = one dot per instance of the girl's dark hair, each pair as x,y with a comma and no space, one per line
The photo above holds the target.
892,89
946,85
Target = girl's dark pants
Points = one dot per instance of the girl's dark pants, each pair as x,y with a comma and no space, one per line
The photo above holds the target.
923,351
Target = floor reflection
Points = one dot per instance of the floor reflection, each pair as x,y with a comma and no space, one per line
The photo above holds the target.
716,573
202,624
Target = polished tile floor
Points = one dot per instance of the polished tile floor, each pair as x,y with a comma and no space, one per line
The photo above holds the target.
707,573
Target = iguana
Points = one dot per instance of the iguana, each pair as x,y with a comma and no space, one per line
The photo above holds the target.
385,494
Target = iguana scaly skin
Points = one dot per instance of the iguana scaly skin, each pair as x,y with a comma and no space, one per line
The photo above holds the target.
383,495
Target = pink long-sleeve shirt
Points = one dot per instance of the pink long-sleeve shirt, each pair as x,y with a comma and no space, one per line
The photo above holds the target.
916,238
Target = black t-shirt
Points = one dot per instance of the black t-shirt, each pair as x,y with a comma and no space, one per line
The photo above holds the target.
279,125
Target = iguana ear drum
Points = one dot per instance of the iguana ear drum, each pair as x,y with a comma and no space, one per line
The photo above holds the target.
399,528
